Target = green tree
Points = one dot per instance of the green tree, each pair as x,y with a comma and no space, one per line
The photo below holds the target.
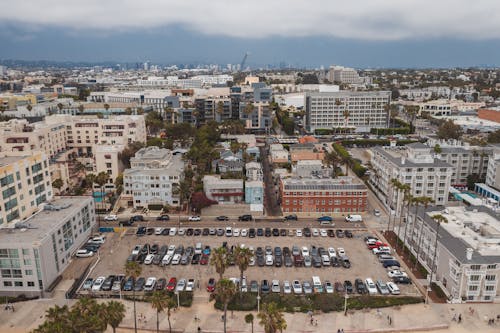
58,184
159,301
106,106
448,130
86,316
332,159
249,319
119,183
220,260
154,122
407,199
242,257
133,269
129,152
225,290
115,312
272,318
29,107
396,186
437,149
60,106
494,137
220,107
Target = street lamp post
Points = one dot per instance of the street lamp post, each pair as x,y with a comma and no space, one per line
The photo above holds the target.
178,299
345,304
258,302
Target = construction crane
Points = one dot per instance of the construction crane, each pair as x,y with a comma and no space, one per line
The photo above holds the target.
244,60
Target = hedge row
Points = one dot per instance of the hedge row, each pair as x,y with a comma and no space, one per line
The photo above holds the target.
320,302
356,166
390,131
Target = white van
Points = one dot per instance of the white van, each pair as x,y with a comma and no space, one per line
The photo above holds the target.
317,286
370,285
354,218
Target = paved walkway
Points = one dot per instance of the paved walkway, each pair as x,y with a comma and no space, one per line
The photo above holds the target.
415,318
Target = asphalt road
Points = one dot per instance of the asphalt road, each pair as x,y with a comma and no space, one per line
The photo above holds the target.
271,202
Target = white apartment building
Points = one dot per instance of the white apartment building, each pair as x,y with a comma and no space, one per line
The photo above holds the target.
343,75
493,171
413,165
259,119
254,171
467,261
84,133
344,109
107,159
224,191
19,136
39,249
25,185
152,179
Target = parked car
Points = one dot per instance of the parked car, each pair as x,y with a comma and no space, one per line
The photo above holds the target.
287,287
264,287
348,233
194,218
306,285
181,285
291,217
371,287
325,218
328,287
161,284
348,287
172,283
222,218
150,284
297,287
254,286
393,288
136,218
96,286
211,285
110,218
275,286
139,284
84,253
163,217
190,285
245,217
382,287
402,280
129,284
87,285
360,286
149,259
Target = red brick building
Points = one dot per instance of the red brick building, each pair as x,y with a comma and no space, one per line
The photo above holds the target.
323,196
492,114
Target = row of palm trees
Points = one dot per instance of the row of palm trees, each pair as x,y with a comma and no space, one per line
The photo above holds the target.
271,316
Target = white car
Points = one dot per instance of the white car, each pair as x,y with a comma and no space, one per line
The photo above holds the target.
229,232
297,287
341,251
393,288
194,218
181,284
315,232
149,259
370,285
236,232
244,286
298,232
171,250
158,231
97,240
305,251
98,283
371,240
376,212
84,253
244,233
110,218
269,260
275,286
150,284
182,231
332,253
382,249
328,287
323,233
176,259
287,288
173,231
396,273
136,250
190,285
167,259
252,261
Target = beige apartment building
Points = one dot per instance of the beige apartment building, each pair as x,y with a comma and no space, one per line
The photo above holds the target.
24,185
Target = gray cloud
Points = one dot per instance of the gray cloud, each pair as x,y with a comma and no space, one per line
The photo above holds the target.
358,19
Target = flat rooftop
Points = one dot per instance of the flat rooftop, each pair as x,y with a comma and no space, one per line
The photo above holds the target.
340,183
41,224
478,229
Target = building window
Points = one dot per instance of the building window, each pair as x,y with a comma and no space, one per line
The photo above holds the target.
474,278
31,284
475,267
472,288
491,277
18,283
7,283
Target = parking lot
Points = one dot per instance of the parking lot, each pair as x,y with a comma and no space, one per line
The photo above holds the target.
363,263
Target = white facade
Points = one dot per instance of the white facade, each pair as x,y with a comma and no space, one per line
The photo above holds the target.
359,110
254,171
493,172
152,178
107,159
36,253
344,75
224,191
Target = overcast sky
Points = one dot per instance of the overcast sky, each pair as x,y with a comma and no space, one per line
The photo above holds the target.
359,33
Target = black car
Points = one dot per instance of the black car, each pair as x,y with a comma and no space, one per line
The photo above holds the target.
348,233
276,232
316,261
291,217
141,231
277,251
283,232
197,232
129,284
196,259
141,257
108,283
330,233
179,250
288,261
260,232
128,223
264,287
346,263
163,218
286,251
278,261
154,249
340,233
360,286
136,218
150,231
251,233
131,258
157,259
259,251
261,262
145,249
189,232
307,232
139,284
267,232
245,217
161,283
220,232
335,262
222,218
165,232
205,232
401,279
348,286
91,247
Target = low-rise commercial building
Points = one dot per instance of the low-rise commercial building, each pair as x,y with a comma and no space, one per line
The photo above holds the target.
35,252
254,171
306,151
278,153
317,196
224,191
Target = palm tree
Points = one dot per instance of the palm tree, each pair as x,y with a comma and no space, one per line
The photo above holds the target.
56,320
425,201
412,201
346,115
171,304
395,185
249,107
220,107
220,259
169,113
405,188
29,107
159,301
101,179
271,318
106,106
60,106
331,159
225,291
115,312
133,269
87,316
438,219
242,257
249,319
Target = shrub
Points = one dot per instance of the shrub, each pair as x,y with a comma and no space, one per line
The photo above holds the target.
240,302
437,289
185,298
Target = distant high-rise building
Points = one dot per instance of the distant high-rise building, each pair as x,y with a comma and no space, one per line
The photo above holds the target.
343,75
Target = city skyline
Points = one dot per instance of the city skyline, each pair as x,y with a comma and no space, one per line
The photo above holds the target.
362,34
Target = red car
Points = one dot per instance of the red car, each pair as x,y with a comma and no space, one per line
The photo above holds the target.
172,283
371,246
211,285
204,260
